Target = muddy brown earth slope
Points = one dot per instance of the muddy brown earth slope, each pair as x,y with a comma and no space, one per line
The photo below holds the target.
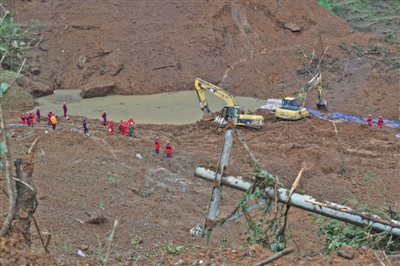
264,49
253,48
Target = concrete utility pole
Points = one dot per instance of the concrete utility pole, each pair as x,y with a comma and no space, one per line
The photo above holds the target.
308,203
217,189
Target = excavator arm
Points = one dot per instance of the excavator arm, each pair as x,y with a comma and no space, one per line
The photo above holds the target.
315,82
202,86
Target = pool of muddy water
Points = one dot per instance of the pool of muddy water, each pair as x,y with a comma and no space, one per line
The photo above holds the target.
166,108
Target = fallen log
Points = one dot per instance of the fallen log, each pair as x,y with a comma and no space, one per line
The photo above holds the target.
275,257
308,203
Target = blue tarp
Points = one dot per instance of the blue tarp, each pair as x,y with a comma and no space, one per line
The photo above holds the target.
350,118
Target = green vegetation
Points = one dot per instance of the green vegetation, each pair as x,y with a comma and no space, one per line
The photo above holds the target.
168,247
12,41
369,16
268,230
338,234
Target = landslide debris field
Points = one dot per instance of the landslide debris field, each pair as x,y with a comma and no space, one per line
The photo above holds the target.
157,200
255,48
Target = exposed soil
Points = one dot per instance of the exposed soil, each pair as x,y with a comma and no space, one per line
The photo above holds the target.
85,183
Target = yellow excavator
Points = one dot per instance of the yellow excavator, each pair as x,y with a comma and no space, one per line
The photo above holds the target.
230,111
293,108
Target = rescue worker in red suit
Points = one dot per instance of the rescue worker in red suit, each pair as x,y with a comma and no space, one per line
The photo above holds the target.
125,128
23,118
131,121
27,121
157,144
168,150
38,115
49,115
120,127
369,120
31,119
65,109
104,116
111,127
380,122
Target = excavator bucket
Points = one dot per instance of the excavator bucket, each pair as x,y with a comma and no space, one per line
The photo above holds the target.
321,106
208,117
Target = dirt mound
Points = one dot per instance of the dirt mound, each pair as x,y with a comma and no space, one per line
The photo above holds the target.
251,48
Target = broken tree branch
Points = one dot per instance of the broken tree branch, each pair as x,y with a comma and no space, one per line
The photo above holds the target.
32,146
110,241
347,69
161,67
274,257
383,264
341,150
296,182
22,182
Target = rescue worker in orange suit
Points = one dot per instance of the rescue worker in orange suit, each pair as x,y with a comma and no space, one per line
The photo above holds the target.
27,121
168,150
23,118
38,114
104,116
65,109
49,115
157,144
369,120
53,121
110,127
31,119
380,122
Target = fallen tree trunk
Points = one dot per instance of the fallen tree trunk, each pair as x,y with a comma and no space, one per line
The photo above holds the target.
308,203
26,196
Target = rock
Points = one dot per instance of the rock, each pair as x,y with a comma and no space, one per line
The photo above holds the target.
211,255
364,248
37,89
328,260
160,260
346,252
81,61
250,252
93,90
35,70
83,247
291,26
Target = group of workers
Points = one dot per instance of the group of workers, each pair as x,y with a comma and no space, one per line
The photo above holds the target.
123,130
28,119
380,121
168,147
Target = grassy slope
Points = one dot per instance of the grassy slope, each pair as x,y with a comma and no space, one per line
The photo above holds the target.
377,17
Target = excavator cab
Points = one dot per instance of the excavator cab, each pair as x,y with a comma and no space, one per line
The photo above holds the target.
230,112
290,103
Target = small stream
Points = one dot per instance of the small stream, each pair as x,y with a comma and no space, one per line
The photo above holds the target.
175,108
